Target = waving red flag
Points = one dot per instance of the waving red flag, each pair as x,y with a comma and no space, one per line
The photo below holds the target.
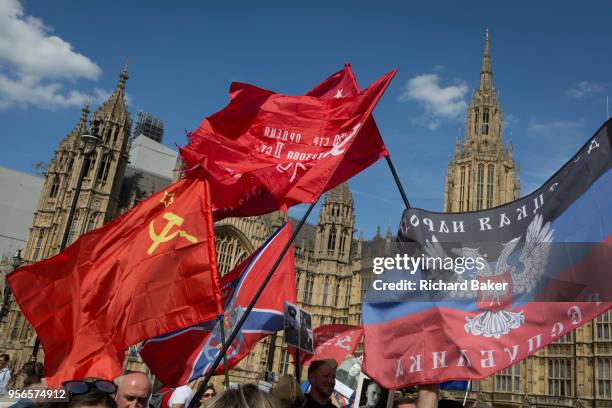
267,151
148,272
182,356
333,341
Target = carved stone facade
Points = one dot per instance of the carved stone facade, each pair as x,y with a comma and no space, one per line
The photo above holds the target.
481,174
97,202
576,370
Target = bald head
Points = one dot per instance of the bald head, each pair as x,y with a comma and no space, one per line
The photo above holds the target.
133,390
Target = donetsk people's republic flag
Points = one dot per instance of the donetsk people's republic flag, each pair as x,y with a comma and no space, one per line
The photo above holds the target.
483,290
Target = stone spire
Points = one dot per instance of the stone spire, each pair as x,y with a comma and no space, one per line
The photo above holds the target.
486,76
115,107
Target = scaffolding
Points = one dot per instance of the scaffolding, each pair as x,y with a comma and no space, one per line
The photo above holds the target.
150,126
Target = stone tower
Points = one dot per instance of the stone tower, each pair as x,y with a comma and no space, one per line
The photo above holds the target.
336,223
97,202
481,174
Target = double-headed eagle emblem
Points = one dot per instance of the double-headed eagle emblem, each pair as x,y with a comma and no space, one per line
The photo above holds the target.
496,320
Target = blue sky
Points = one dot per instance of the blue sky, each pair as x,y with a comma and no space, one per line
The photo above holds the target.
551,65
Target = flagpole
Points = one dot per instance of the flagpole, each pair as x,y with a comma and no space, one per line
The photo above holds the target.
298,366
196,397
397,181
467,390
221,319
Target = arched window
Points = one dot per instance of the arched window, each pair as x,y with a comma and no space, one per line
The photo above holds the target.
479,187
476,117
308,289
348,295
89,163
73,229
342,242
91,223
54,187
107,134
468,187
490,175
331,243
325,292
15,331
104,168
230,252
485,121
461,188
38,246
70,163
336,294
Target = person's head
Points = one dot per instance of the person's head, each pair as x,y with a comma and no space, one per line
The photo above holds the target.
31,373
322,378
354,370
288,391
133,390
208,395
446,403
247,396
373,393
406,402
92,399
4,359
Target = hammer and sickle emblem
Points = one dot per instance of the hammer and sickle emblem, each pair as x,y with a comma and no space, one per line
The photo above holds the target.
341,342
163,236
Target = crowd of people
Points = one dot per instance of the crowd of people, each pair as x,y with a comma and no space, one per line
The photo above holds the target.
135,390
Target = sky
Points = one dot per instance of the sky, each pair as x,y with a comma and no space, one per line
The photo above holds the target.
551,65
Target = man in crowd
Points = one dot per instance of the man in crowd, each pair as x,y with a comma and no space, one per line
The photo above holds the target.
133,390
322,378
5,373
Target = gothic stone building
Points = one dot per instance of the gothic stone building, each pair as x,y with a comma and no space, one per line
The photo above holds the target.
333,269
97,202
574,371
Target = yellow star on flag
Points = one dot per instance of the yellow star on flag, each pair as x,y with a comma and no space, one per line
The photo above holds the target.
167,199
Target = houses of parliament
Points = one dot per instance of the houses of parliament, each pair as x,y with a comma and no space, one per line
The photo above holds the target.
333,265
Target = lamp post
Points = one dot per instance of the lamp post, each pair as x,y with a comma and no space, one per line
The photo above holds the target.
89,141
6,295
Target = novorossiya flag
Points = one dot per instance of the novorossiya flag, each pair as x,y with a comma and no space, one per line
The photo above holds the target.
266,151
541,267
150,271
182,356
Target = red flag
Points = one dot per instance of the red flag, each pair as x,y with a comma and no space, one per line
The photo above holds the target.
334,341
267,151
148,272
182,356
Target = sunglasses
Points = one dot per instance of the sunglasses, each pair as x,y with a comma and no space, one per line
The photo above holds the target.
209,394
78,387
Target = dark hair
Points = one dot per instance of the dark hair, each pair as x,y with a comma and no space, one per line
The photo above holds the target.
406,400
210,387
315,365
446,403
92,398
5,357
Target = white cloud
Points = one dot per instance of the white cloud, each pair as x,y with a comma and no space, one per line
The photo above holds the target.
440,103
584,88
565,128
35,65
